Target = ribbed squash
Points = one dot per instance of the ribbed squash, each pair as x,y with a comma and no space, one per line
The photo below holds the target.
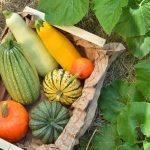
60,85
18,73
47,120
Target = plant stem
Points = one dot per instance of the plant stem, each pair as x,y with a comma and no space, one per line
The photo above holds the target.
7,14
138,142
4,109
73,78
141,3
91,139
59,94
39,24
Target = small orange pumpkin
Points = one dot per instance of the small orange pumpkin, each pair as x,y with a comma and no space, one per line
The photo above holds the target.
13,121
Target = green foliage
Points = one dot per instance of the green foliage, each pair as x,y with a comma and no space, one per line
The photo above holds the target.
123,105
134,20
134,115
139,46
64,12
84,142
106,138
128,147
115,97
129,18
142,71
108,12
146,145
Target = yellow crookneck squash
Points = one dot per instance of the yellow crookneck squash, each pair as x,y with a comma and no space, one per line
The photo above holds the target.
57,44
60,85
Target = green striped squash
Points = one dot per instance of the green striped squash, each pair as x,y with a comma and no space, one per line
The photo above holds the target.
18,74
47,120
60,85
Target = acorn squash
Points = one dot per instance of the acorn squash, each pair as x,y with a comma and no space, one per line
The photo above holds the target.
48,120
60,85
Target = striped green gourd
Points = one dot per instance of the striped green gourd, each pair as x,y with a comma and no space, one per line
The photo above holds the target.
18,73
60,85
47,120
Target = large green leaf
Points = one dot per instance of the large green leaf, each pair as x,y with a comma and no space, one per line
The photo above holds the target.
142,70
106,138
139,46
108,12
115,97
134,20
134,115
128,147
63,12
146,145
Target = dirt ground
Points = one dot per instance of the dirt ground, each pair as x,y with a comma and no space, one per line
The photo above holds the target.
121,68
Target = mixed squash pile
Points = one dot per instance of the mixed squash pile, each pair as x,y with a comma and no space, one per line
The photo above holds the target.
26,57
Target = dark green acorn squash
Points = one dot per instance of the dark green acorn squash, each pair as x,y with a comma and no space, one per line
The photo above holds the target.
47,121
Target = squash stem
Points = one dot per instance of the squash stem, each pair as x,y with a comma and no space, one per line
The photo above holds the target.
4,109
7,13
9,42
39,24
59,94
73,78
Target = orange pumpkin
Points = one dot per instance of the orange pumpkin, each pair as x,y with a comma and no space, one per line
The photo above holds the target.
82,68
13,121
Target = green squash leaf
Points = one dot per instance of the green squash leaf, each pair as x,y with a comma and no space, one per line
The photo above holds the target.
134,20
115,97
64,12
146,145
139,46
142,70
108,12
134,115
106,138
128,147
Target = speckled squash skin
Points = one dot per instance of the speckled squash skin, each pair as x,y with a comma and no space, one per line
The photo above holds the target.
47,121
18,74
58,86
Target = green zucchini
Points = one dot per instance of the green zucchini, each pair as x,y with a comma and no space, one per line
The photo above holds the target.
32,45
18,73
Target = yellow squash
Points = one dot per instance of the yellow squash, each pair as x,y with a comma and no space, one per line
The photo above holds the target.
57,44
